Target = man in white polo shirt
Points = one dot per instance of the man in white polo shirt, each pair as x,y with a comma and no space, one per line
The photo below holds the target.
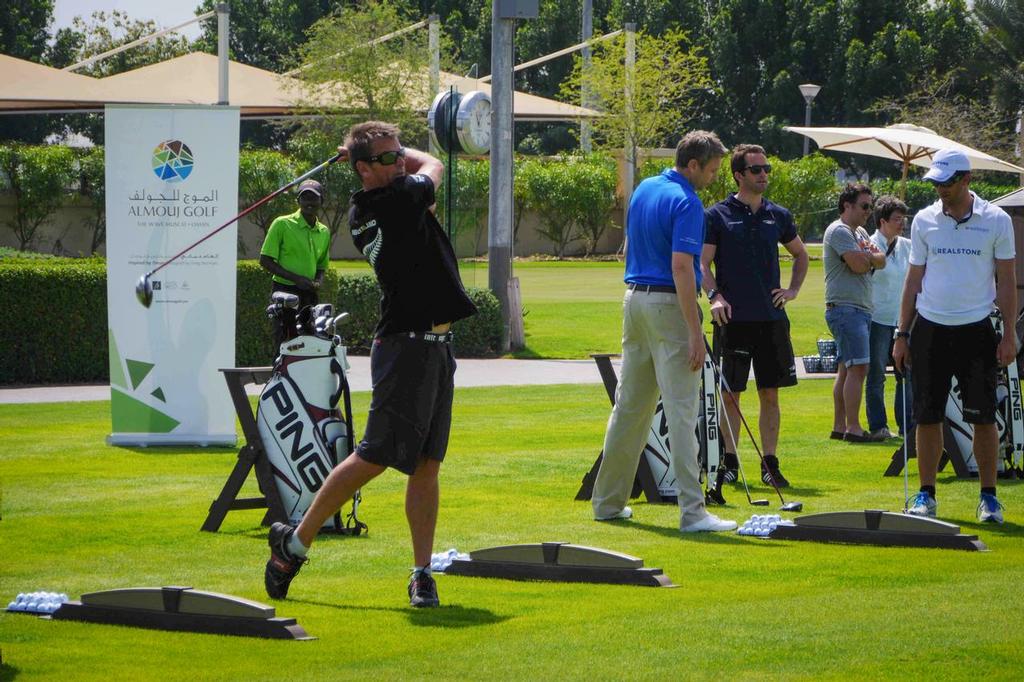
957,245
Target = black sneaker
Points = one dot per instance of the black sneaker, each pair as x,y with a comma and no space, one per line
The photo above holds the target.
423,590
770,473
282,566
730,469
714,496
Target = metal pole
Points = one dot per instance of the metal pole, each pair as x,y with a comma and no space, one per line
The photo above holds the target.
499,228
434,47
807,124
223,12
588,31
630,150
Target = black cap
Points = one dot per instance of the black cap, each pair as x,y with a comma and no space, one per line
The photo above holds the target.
312,186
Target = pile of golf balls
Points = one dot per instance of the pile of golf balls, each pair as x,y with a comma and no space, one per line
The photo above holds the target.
442,560
37,602
762,525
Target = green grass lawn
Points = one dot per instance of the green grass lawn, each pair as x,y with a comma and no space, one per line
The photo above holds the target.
574,308
80,516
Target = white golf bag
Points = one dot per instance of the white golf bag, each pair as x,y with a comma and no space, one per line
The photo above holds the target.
304,432
657,450
1009,422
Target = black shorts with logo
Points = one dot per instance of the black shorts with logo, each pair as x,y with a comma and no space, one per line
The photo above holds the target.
411,408
939,352
765,344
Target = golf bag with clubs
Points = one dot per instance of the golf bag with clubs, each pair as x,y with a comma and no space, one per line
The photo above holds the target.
709,439
304,432
958,434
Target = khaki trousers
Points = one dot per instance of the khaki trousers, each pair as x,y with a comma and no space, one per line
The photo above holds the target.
655,361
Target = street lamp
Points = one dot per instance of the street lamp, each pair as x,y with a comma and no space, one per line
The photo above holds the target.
809,91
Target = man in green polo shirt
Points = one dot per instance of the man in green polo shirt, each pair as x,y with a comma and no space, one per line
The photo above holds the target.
296,252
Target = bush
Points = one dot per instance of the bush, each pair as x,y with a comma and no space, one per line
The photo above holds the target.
359,296
38,178
55,320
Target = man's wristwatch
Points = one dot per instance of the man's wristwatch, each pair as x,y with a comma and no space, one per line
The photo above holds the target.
900,335
712,294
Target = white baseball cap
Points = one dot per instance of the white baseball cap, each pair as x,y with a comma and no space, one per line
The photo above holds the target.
945,163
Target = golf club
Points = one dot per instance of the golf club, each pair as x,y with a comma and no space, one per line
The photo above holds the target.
732,436
786,506
144,287
906,439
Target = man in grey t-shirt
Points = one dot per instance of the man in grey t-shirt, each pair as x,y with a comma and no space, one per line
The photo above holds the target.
850,260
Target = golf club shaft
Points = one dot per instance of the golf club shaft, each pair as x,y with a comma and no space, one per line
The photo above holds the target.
906,439
253,207
732,435
743,420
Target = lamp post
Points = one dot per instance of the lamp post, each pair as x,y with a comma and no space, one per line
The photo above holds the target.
809,91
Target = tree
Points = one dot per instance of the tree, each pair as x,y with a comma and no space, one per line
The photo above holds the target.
310,147
23,28
38,178
260,172
93,185
383,81
105,31
595,178
1004,25
668,77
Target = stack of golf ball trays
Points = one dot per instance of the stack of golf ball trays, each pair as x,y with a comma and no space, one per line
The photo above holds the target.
37,602
761,525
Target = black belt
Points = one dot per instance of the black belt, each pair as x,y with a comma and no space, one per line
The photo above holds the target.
433,337
652,288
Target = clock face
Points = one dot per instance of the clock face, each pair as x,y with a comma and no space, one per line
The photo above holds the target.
473,123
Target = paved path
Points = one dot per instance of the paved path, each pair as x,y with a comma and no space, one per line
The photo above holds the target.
470,373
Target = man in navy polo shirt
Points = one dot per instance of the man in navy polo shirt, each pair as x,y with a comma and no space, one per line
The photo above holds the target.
662,340
962,258
748,302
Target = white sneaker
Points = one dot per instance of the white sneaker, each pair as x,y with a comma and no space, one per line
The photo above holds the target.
626,513
989,509
923,504
709,523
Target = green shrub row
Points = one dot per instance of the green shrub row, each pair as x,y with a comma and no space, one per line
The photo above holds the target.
54,325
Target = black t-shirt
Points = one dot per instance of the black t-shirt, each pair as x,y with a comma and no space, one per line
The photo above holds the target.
747,255
410,254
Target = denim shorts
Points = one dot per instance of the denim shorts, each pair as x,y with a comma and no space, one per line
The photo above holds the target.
851,328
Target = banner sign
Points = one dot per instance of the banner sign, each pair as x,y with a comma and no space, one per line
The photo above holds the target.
171,178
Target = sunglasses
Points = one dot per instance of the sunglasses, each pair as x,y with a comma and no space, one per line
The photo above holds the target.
387,158
867,206
948,183
757,170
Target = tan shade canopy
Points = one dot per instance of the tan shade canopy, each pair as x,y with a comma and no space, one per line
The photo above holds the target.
28,86
909,144
193,79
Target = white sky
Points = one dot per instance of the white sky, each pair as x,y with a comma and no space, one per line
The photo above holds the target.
165,13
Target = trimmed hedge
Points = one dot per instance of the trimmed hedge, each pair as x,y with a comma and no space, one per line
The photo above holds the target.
359,296
54,326
54,322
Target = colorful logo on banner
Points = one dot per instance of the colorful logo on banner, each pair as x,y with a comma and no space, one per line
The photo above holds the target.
172,161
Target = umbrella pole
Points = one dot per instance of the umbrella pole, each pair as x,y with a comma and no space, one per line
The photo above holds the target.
903,182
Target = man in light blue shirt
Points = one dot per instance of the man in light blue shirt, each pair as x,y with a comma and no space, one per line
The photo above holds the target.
886,292
662,339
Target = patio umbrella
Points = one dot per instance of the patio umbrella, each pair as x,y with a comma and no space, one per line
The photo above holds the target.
902,142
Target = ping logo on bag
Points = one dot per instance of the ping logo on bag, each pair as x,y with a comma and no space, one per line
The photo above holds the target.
295,440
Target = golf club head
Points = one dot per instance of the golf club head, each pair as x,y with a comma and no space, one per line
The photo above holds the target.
759,503
792,507
144,290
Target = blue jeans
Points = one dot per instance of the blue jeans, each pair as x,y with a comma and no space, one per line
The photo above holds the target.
850,327
874,386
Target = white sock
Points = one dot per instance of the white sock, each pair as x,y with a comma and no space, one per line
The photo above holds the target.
295,546
421,569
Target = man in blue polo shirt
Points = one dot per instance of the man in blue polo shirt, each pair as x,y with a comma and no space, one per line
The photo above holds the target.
662,340
748,303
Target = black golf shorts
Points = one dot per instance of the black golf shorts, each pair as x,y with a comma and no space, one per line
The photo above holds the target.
765,344
968,352
411,408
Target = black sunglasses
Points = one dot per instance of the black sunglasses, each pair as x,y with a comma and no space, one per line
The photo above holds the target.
955,178
387,158
866,206
757,169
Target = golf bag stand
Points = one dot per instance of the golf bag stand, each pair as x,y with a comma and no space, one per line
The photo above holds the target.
655,477
958,434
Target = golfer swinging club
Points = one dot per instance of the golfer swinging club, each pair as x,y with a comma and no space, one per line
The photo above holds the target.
411,363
